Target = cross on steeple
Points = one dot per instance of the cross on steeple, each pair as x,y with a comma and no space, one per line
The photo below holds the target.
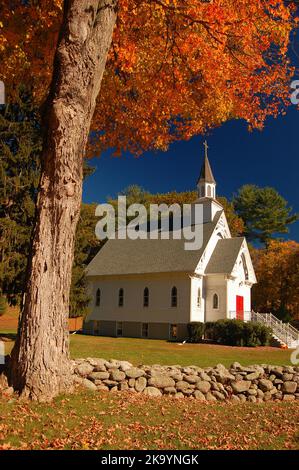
205,144
206,183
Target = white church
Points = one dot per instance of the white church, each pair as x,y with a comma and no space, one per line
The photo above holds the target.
155,288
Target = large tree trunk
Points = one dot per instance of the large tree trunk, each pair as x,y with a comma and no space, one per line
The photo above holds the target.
40,367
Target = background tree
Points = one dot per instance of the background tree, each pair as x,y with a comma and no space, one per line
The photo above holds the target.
20,149
277,270
2,305
136,194
209,62
264,211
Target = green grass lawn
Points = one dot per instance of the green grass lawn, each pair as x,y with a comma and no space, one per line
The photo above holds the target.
126,421
146,351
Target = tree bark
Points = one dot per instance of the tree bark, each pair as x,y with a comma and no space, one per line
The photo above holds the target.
40,367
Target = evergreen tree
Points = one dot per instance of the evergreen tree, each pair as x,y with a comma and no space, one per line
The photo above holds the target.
264,211
20,147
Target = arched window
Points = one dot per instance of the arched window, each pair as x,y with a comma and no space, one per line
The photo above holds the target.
174,297
98,297
245,266
121,297
215,301
146,297
198,297
209,191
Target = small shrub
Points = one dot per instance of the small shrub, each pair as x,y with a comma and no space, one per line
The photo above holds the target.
196,331
230,332
210,330
238,333
264,334
249,337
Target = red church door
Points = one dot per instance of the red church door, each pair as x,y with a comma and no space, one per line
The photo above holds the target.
240,307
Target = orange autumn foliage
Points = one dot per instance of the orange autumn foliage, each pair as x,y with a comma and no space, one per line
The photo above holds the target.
277,270
175,69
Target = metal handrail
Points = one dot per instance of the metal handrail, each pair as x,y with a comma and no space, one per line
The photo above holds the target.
292,328
284,331
284,326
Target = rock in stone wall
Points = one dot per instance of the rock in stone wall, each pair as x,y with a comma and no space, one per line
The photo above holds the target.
255,383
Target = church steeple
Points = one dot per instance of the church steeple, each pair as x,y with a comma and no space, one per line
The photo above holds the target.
206,183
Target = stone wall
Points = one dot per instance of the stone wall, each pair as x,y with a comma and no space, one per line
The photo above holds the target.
255,383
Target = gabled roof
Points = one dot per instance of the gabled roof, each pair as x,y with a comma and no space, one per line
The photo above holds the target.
120,257
206,174
224,256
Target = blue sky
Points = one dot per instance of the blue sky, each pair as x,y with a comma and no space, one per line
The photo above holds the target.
267,158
